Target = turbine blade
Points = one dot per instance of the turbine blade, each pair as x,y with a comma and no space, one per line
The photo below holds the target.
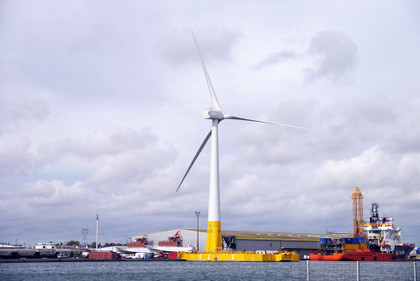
209,84
195,158
261,121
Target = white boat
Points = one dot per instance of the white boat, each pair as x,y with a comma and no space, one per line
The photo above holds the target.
46,249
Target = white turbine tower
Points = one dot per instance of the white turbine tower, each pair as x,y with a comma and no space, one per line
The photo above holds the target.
214,235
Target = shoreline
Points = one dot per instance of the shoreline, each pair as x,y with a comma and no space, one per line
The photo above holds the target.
83,260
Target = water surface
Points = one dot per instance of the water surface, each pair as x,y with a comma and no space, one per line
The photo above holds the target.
152,270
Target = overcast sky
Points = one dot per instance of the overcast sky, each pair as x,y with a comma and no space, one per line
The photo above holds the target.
101,113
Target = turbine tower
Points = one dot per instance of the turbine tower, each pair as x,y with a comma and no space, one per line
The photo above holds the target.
216,115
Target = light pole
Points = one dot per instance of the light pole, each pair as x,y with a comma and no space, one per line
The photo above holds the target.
197,213
97,230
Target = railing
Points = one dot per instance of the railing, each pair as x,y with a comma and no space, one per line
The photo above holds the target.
359,271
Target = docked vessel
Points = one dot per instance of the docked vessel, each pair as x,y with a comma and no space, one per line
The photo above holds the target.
141,248
172,245
377,239
357,249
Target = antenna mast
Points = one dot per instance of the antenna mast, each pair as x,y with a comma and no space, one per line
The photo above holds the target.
85,233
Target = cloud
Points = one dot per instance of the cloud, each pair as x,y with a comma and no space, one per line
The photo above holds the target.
15,158
18,113
98,36
97,144
216,43
380,175
336,52
366,169
41,188
278,57
331,54
132,177
407,131
134,166
100,114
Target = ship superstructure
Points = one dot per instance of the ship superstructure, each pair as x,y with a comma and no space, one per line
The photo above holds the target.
381,231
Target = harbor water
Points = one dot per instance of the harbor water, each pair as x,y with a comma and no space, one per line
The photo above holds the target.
183,270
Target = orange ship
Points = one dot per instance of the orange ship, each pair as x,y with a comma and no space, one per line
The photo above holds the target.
378,240
355,249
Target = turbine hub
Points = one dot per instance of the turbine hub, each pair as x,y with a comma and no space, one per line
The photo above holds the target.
213,114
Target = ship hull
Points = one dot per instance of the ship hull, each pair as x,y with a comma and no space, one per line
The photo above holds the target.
354,257
326,257
400,254
370,256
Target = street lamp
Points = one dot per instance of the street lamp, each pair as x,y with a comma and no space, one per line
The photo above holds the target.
197,213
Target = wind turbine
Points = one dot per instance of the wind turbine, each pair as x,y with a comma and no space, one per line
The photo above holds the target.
214,234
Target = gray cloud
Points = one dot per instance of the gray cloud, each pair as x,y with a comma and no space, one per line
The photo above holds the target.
337,54
41,188
98,144
277,57
17,113
407,131
177,46
15,157
333,54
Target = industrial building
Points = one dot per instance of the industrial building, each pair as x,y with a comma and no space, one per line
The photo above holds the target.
301,243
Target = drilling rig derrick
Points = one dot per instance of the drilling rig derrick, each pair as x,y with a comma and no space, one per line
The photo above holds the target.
357,197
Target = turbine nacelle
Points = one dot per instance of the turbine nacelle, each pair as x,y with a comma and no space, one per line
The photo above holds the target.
213,114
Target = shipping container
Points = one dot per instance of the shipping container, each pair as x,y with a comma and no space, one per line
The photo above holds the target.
103,256
346,240
358,240
172,255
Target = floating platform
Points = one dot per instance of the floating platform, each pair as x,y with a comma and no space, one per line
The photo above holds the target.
240,256
43,260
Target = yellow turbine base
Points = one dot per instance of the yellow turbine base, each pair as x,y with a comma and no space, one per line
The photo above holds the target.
239,256
214,237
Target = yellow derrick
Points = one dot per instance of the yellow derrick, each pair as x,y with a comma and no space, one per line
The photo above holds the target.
357,197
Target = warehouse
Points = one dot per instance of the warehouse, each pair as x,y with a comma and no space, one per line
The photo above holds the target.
302,243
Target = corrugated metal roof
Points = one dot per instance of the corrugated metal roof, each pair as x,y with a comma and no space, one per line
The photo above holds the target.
260,235
169,232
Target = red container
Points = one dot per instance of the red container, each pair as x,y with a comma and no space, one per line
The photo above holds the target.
102,256
172,255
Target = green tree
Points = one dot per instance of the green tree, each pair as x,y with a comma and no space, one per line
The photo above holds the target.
112,244
73,243
93,245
